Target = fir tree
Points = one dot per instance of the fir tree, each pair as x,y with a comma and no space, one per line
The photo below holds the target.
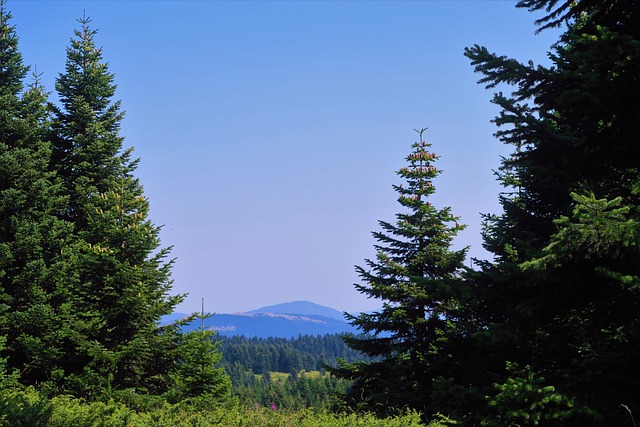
415,275
117,282
197,375
561,296
30,233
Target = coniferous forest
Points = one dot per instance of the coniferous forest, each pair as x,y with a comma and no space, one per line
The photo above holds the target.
288,373
545,333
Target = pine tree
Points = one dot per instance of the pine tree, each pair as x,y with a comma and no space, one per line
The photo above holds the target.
415,275
561,297
117,280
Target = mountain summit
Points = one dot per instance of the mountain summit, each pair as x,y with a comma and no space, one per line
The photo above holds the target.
287,320
304,308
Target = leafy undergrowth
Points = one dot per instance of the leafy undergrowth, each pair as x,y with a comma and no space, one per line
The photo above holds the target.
27,407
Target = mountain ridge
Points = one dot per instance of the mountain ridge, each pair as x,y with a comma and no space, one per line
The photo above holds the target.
302,308
286,320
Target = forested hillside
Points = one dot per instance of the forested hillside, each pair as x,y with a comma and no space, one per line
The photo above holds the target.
289,373
308,353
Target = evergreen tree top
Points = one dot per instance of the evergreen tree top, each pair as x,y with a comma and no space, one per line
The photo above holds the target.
418,174
413,255
12,69
87,85
423,224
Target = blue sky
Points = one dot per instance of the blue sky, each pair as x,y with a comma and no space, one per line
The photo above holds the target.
269,132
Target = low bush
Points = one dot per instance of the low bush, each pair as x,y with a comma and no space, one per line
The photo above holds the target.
27,407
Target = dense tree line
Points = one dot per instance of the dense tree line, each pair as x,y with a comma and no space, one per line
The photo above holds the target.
307,352
293,391
83,277
547,332
288,373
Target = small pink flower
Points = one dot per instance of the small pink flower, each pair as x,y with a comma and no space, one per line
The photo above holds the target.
274,407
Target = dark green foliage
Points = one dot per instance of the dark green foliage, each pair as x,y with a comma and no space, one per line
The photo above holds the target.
289,373
87,148
561,295
560,299
13,69
308,353
525,400
116,280
290,391
83,280
30,232
416,276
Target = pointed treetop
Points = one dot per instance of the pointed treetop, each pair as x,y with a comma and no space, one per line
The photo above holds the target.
12,69
86,73
418,174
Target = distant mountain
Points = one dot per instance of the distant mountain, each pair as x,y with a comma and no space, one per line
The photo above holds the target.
277,325
304,308
288,320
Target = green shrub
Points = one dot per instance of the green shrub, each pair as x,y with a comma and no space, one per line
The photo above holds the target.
526,400
28,408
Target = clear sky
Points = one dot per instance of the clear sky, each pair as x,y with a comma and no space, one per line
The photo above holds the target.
269,132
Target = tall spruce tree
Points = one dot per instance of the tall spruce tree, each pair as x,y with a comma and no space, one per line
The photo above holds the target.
30,233
560,301
117,282
416,277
